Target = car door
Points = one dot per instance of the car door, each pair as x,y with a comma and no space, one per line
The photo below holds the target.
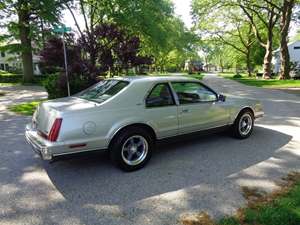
161,110
199,108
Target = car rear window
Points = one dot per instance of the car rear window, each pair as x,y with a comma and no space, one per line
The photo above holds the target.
103,90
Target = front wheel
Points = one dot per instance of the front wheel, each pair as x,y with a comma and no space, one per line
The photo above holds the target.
131,149
243,125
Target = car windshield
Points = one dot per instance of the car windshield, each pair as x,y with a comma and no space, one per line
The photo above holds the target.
103,90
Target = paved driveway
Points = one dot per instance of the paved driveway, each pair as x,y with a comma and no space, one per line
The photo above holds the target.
203,173
17,94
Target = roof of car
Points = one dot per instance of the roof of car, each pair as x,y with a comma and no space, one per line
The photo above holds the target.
155,78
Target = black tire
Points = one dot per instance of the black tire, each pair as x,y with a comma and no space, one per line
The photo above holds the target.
116,148
236,130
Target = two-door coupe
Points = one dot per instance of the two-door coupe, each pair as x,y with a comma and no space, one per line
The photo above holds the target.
127,115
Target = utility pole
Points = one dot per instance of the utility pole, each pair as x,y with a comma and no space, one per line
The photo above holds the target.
62,30
66,63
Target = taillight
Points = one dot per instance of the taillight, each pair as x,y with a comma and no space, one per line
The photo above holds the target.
54,132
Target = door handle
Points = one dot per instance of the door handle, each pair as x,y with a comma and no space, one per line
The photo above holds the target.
185,111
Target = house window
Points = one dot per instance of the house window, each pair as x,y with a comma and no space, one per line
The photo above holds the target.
2,54
297,47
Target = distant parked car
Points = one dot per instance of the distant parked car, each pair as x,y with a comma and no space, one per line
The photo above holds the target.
126,116
295,72
193,66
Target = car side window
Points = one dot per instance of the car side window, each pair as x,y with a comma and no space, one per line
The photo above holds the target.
160,96
192,92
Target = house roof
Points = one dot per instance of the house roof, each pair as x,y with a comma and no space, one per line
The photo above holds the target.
289,44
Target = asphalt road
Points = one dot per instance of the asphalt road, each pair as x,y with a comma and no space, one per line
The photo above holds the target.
201,173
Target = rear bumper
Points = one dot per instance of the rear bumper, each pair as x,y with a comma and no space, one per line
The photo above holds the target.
39,145
49,150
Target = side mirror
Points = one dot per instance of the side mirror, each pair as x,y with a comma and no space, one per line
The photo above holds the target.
221,98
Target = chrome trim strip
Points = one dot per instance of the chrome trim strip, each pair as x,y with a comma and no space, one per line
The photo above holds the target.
212,128
81,151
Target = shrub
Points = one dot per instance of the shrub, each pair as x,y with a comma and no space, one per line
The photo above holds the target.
56,85
236,76
11,78
17,78
50,84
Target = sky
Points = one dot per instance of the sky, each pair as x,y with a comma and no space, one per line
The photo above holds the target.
182,9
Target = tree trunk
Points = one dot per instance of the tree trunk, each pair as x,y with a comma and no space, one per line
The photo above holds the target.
284,60
221,64
43,33
268,60
92,49
285,20
24,29
248,62
206,62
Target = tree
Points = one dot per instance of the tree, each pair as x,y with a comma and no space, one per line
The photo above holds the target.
140,18
285,20
179,41
278,10
153,22
114,50
29,14
266,14
261,14
227,26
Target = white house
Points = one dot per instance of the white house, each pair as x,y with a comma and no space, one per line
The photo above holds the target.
9,61
294,51
12,61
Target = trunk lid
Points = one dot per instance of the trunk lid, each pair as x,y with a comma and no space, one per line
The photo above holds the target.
48,111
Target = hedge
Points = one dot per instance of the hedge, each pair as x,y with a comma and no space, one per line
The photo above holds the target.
19,78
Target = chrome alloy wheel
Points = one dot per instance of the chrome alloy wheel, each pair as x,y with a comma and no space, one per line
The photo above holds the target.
245,124
134,150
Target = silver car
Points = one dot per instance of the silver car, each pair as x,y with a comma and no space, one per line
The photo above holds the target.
127,115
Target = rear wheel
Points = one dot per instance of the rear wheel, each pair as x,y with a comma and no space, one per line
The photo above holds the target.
131,149
243,125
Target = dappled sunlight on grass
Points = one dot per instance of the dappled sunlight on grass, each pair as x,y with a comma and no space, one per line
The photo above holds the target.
277,208
6,73
26,109
196,76
7,84
271,83
259,82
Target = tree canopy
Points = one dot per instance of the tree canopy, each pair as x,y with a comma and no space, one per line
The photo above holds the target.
245,24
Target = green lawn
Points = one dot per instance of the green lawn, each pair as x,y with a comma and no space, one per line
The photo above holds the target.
26,109
2,84
271,83
280,208
7,78
197,76
5,73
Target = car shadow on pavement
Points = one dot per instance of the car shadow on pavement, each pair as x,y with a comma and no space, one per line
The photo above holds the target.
174,165
197,173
